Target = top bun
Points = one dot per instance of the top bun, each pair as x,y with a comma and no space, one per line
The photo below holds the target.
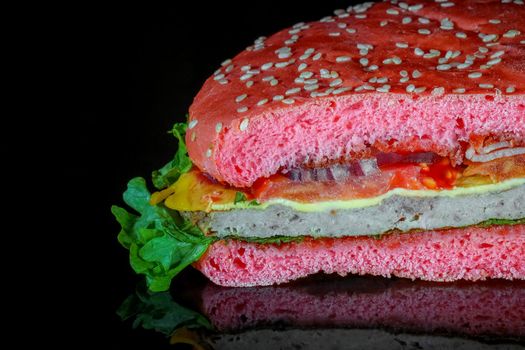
396,76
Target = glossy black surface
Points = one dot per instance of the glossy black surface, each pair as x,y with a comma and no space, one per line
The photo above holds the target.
139,67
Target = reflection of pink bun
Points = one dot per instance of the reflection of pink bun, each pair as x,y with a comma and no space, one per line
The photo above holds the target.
487,308
240,133
469,253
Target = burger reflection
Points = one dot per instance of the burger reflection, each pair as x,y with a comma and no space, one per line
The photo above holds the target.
325,312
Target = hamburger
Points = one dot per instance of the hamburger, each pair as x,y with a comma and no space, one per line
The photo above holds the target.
385,139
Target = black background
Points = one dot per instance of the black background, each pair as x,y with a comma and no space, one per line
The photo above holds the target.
136,71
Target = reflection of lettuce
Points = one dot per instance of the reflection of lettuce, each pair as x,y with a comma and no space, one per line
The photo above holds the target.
160,242
158,311
180,164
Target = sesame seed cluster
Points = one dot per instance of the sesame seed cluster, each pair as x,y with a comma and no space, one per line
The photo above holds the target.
419,48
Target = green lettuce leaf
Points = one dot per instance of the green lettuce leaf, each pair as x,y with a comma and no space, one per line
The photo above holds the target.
161,243
180,164
492,222
159,312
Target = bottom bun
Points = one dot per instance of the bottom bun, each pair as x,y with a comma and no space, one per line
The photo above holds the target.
472,253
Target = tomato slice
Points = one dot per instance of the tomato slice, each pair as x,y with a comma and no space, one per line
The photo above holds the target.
280,186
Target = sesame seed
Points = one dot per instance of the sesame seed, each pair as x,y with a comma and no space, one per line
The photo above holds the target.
292,91
410,88
419,89
402,45
438,91
219,77
406,20
372,80
311,87
459,90
494,61
226,62
416,74
324,71
246,76
396,60
518,2
486,86
361,46
490,37
475,75
494,21
392,12
403,5
218,127
244,124
304,57
510,90
288,101
299,80
418,52
461,35
522,42
363,16
443,67
387,61
192,123
341,59
267,66
384,88
423,20
306,75
311,81
447,4
463,65
363,52
423,31
281,64
351,30
341,25
229,68
415,8
283,55
448,54
497,54
334,34
334,74
363,61
316,56
223,81
341,90
484,66
193,136
372,67
240,98
242,109
246,68
208,153
309,51
302,66
268,78
404,79
274,82
278,97
383,23
336,82
511,33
